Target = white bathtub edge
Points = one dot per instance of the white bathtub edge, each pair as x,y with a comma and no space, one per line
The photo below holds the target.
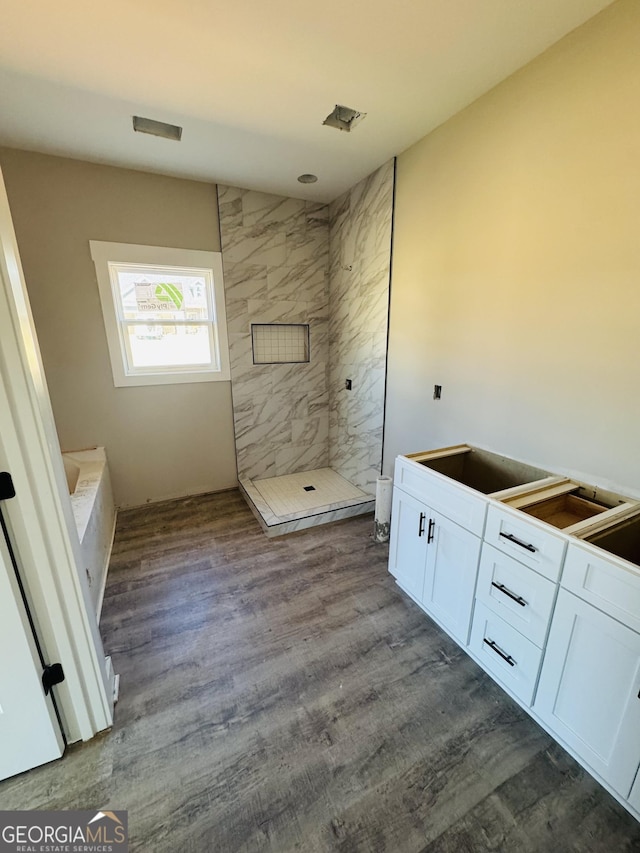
105,569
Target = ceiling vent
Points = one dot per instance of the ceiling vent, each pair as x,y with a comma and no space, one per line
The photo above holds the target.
157,128
344,118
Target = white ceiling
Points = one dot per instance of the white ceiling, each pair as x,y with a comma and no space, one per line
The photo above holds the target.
251,81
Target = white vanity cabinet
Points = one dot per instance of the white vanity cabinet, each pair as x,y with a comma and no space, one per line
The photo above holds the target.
440,501
434,559
538,576
589,691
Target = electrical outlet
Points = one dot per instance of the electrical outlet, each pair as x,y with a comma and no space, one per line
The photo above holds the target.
437,392
348,384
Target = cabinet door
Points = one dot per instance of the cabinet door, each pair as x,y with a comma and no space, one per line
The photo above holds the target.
450,578
408,542
588,690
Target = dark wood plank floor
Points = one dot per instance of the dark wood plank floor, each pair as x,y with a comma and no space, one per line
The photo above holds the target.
282,695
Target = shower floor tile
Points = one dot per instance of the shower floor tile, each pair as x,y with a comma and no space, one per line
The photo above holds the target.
287,495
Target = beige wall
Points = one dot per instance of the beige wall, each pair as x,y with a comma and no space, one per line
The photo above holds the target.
161,441
516,266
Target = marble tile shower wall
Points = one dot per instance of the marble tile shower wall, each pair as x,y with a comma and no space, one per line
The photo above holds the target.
360,261
275,252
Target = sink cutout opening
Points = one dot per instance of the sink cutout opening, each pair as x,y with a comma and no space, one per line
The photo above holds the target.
484,471
623,540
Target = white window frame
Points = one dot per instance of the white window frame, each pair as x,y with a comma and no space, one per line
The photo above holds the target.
104,254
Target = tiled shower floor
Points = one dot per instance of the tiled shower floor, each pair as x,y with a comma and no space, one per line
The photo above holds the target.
308,490
296,501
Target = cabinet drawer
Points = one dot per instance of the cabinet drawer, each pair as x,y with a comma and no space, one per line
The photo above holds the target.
459,503
606,582
530,543
516,593
505,653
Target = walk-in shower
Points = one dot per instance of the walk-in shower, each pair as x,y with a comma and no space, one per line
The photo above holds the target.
307,294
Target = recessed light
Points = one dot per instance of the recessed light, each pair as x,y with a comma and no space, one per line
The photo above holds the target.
307,179
343,118
157,128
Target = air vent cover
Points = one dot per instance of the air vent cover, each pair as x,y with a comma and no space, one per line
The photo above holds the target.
157,128
344,118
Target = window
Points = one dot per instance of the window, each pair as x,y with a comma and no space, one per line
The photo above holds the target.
163,312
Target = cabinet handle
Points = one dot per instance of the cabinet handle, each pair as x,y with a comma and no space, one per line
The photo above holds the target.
495,648
430,531
503,589
421,524
519,542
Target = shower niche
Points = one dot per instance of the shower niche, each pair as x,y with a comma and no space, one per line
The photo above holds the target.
280,343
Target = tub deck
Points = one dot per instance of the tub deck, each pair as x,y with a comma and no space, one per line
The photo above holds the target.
94,512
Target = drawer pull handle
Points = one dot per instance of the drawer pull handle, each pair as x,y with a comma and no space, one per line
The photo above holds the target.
421,524
495,648
503,589
432,527
519,542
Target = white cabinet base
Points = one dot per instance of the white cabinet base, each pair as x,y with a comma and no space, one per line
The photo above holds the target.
578,662
589,686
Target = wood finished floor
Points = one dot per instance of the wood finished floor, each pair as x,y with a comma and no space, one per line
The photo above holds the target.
284,695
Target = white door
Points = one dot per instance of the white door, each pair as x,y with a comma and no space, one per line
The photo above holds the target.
408,542
450,579
634,798
589,690
29,730
41,519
